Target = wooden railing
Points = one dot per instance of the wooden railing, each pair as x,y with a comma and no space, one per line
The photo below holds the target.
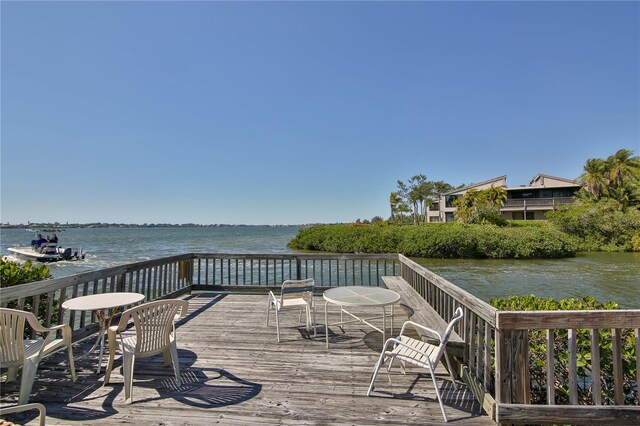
477,329
613,335
156,279
537,202
496,364
172,276
260,271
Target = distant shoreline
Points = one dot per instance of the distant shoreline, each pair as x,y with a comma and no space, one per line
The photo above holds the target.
134,225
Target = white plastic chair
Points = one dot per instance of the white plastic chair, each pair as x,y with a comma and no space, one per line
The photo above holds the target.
16,351
294,294
26,407
155,333
418,352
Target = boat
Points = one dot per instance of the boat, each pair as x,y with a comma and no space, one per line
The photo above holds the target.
47,250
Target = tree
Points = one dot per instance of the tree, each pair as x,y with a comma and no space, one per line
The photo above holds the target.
394,201
623,166
481,206
420,194
496,195
616,177
594,177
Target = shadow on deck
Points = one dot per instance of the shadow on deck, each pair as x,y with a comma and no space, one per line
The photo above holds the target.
234,372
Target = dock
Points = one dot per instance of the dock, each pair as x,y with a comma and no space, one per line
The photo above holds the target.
234,372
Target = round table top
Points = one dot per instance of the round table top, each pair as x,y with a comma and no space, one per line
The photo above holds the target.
93,302
361,296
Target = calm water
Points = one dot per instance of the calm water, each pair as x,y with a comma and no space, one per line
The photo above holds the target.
607,276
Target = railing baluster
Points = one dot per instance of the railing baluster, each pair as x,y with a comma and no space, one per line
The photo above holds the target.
573,367
551,389
637,339
617,367
487,356
595,366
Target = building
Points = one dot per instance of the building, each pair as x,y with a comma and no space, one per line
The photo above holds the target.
525,202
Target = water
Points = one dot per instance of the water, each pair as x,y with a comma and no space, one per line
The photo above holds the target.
107,247
606,276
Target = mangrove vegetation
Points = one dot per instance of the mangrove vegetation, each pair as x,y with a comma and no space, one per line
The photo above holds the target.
604,217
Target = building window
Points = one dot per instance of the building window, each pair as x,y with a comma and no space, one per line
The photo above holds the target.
530,216
449,199
518,215
448,217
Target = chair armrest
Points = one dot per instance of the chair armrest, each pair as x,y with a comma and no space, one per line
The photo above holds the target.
422,327
273,296
58,327
35,324
124,320
184,308
26,407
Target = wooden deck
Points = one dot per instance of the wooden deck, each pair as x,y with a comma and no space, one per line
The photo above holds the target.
234,372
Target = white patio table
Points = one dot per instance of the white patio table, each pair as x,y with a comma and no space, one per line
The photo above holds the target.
361,297
100,303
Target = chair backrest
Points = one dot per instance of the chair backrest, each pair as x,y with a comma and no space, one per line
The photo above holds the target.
293,289
154,323
12,335
458,314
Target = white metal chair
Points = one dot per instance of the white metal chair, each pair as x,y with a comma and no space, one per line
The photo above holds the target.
155,333
418,352
294,294
16,351
26,407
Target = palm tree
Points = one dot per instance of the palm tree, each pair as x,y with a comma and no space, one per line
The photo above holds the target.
623,166
394,201
595,177
496,195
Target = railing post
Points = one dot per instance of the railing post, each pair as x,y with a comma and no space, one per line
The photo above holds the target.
121,281
298,268
512,367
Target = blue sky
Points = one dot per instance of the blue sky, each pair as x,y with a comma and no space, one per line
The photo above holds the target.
300,112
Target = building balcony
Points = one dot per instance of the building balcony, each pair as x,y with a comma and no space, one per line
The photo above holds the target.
535,203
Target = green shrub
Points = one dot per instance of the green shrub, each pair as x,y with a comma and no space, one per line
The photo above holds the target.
12,274
439,240
603,225
527,223
538,353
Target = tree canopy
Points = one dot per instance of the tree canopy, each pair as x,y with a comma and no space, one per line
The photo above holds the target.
616,177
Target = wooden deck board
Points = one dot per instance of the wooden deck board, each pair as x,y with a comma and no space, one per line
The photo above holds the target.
234,372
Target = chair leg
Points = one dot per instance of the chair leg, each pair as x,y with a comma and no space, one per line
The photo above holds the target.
277,326
268,310
166,356
307,317
313,309
435,385
176,363
453,379
375,371
29,369
72,364
128,363
12,374
112,354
